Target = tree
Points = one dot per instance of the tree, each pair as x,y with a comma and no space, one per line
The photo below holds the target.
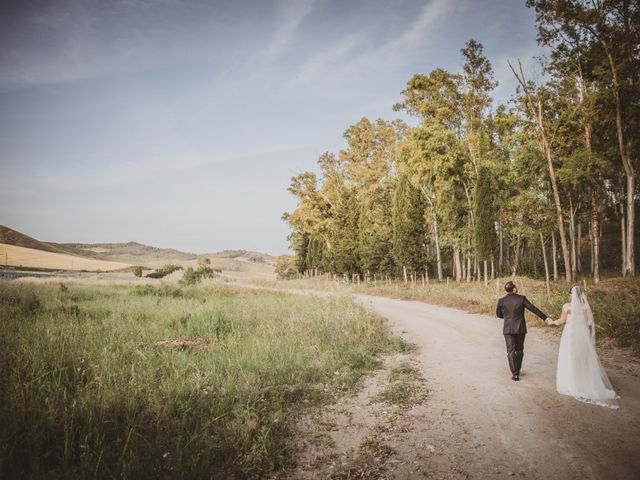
485,234
408,226
613,26
533,101
285,267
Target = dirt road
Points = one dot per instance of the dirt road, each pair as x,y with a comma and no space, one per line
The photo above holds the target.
476,423
484,425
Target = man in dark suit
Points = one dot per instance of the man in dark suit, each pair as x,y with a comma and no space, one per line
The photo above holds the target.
511,308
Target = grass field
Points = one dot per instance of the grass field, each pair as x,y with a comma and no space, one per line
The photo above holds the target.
168,382
615,302
29,257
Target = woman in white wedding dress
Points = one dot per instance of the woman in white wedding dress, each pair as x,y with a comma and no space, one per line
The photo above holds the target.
580,373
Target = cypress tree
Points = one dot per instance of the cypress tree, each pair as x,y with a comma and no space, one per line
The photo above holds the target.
408,226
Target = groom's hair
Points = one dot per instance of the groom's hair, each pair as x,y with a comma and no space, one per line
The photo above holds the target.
509,286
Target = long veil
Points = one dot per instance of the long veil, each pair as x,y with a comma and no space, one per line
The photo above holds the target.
590,381
581,311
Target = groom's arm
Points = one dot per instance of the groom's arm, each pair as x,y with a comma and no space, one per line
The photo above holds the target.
499,313
533,309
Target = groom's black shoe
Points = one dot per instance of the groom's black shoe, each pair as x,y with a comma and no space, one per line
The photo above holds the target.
515,377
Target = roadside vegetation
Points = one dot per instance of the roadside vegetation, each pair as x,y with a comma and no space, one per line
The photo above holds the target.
169,381
615,302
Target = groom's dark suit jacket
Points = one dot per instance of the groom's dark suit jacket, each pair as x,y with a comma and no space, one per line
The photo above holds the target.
511,309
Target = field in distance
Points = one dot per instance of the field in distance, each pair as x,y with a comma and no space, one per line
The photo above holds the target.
20,250
14,256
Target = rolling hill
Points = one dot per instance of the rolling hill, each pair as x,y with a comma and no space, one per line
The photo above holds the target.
19,249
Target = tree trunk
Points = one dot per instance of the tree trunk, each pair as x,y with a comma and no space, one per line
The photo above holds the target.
591,246
546,266
554,252
404,272
486,274
624,240
500,258
437,242
572,237
595,227
516,258
579,249
456,262
493,269
629,260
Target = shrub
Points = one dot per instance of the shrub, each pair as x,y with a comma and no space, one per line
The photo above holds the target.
164,271
204,261
162,291
285,267
137,271
192,277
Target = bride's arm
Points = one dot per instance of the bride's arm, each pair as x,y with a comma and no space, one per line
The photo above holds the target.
589,317
566,310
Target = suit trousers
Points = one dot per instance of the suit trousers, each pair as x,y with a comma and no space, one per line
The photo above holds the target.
515,351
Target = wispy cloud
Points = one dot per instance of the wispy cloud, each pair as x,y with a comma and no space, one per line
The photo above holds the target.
431,14
350,59
330,59
70,41
294,14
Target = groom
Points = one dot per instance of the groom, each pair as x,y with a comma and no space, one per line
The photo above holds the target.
511,309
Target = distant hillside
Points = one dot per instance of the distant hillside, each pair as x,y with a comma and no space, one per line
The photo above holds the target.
132,252
129,253
10,236
243,255
28,258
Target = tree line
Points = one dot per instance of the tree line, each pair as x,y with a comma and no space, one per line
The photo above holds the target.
478,189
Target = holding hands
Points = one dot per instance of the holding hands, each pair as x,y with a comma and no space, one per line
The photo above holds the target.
551,321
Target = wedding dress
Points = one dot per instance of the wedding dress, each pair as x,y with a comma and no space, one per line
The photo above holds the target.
580,373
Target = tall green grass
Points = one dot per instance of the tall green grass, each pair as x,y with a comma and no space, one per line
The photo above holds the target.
615,302
86,392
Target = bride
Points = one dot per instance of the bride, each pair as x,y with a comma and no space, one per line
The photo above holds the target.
580,373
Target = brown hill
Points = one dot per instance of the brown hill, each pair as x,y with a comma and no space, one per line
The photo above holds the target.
10,236
243,255
132,252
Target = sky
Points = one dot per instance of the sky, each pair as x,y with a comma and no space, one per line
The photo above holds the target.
180,123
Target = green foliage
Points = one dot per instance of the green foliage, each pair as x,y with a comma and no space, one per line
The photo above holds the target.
408,226
161,291
285,267
375,235
344,234
193,277
492,185
485,215
164,271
